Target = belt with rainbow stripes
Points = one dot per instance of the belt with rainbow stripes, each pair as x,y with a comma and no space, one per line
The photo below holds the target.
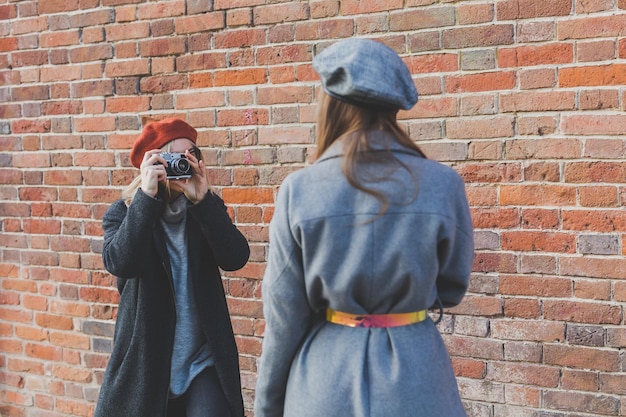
375,320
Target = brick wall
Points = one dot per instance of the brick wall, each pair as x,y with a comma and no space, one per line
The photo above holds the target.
524,98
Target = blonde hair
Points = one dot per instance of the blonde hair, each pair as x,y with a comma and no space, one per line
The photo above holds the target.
337,119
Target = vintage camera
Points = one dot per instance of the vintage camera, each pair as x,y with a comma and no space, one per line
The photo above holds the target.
178,166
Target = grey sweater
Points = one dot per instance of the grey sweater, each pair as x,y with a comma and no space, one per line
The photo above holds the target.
191,353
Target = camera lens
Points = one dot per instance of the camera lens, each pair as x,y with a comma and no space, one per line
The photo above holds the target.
180,166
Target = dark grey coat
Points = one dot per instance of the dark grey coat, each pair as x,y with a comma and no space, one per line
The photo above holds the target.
328,248
136,382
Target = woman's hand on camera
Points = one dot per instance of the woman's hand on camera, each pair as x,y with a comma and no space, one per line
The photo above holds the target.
152,172
196,187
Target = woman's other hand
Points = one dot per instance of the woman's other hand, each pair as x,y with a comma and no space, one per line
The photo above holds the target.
152,172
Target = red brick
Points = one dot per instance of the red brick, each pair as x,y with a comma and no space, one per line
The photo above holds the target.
474,347
469,368
593,290
492,262
526,374
422,64
162,47
595,51
350,7
533,78
91,53
237,77
578,380
280,13
478,36
242,117
490,173
128,30
422,18
28,25
8,11
543,149
604,148
591,27
585,403
535,195
538,264
596,196
495,127
11,176
522,308
200,100
473,83
47,353
200,23
160,10
522,56
475,13
127,68
583,6
609,268
535,286
581,312
528,330
66,38
581,357
92,88
74,374
324,8
540,218
30,126
585,76
491,217
598,99
539,241
432,107
481,306
537,101
54,321
276,55
330,29
248,196
595,172
525,9
161,84
285,135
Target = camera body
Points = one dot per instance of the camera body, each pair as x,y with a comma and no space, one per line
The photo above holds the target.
178,166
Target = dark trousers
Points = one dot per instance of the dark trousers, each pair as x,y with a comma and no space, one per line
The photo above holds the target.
203,398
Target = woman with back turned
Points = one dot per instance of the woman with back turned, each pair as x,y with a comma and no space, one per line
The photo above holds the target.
362,243
174,352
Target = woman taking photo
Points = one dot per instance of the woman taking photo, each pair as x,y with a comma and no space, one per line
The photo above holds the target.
174,352
362,243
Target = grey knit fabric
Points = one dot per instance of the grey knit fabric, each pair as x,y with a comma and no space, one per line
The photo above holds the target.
191,351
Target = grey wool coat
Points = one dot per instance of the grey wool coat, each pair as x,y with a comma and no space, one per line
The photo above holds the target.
136,381
329,249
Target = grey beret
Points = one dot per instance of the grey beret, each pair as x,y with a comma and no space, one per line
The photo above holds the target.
365,73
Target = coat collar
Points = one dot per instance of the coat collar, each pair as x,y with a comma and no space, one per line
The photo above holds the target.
379,140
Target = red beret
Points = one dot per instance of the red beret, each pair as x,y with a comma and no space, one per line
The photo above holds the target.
156,134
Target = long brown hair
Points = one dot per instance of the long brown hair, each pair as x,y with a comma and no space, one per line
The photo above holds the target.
337,119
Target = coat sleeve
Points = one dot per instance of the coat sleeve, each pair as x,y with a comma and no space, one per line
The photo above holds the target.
455,250
127,232
286,310
229,246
